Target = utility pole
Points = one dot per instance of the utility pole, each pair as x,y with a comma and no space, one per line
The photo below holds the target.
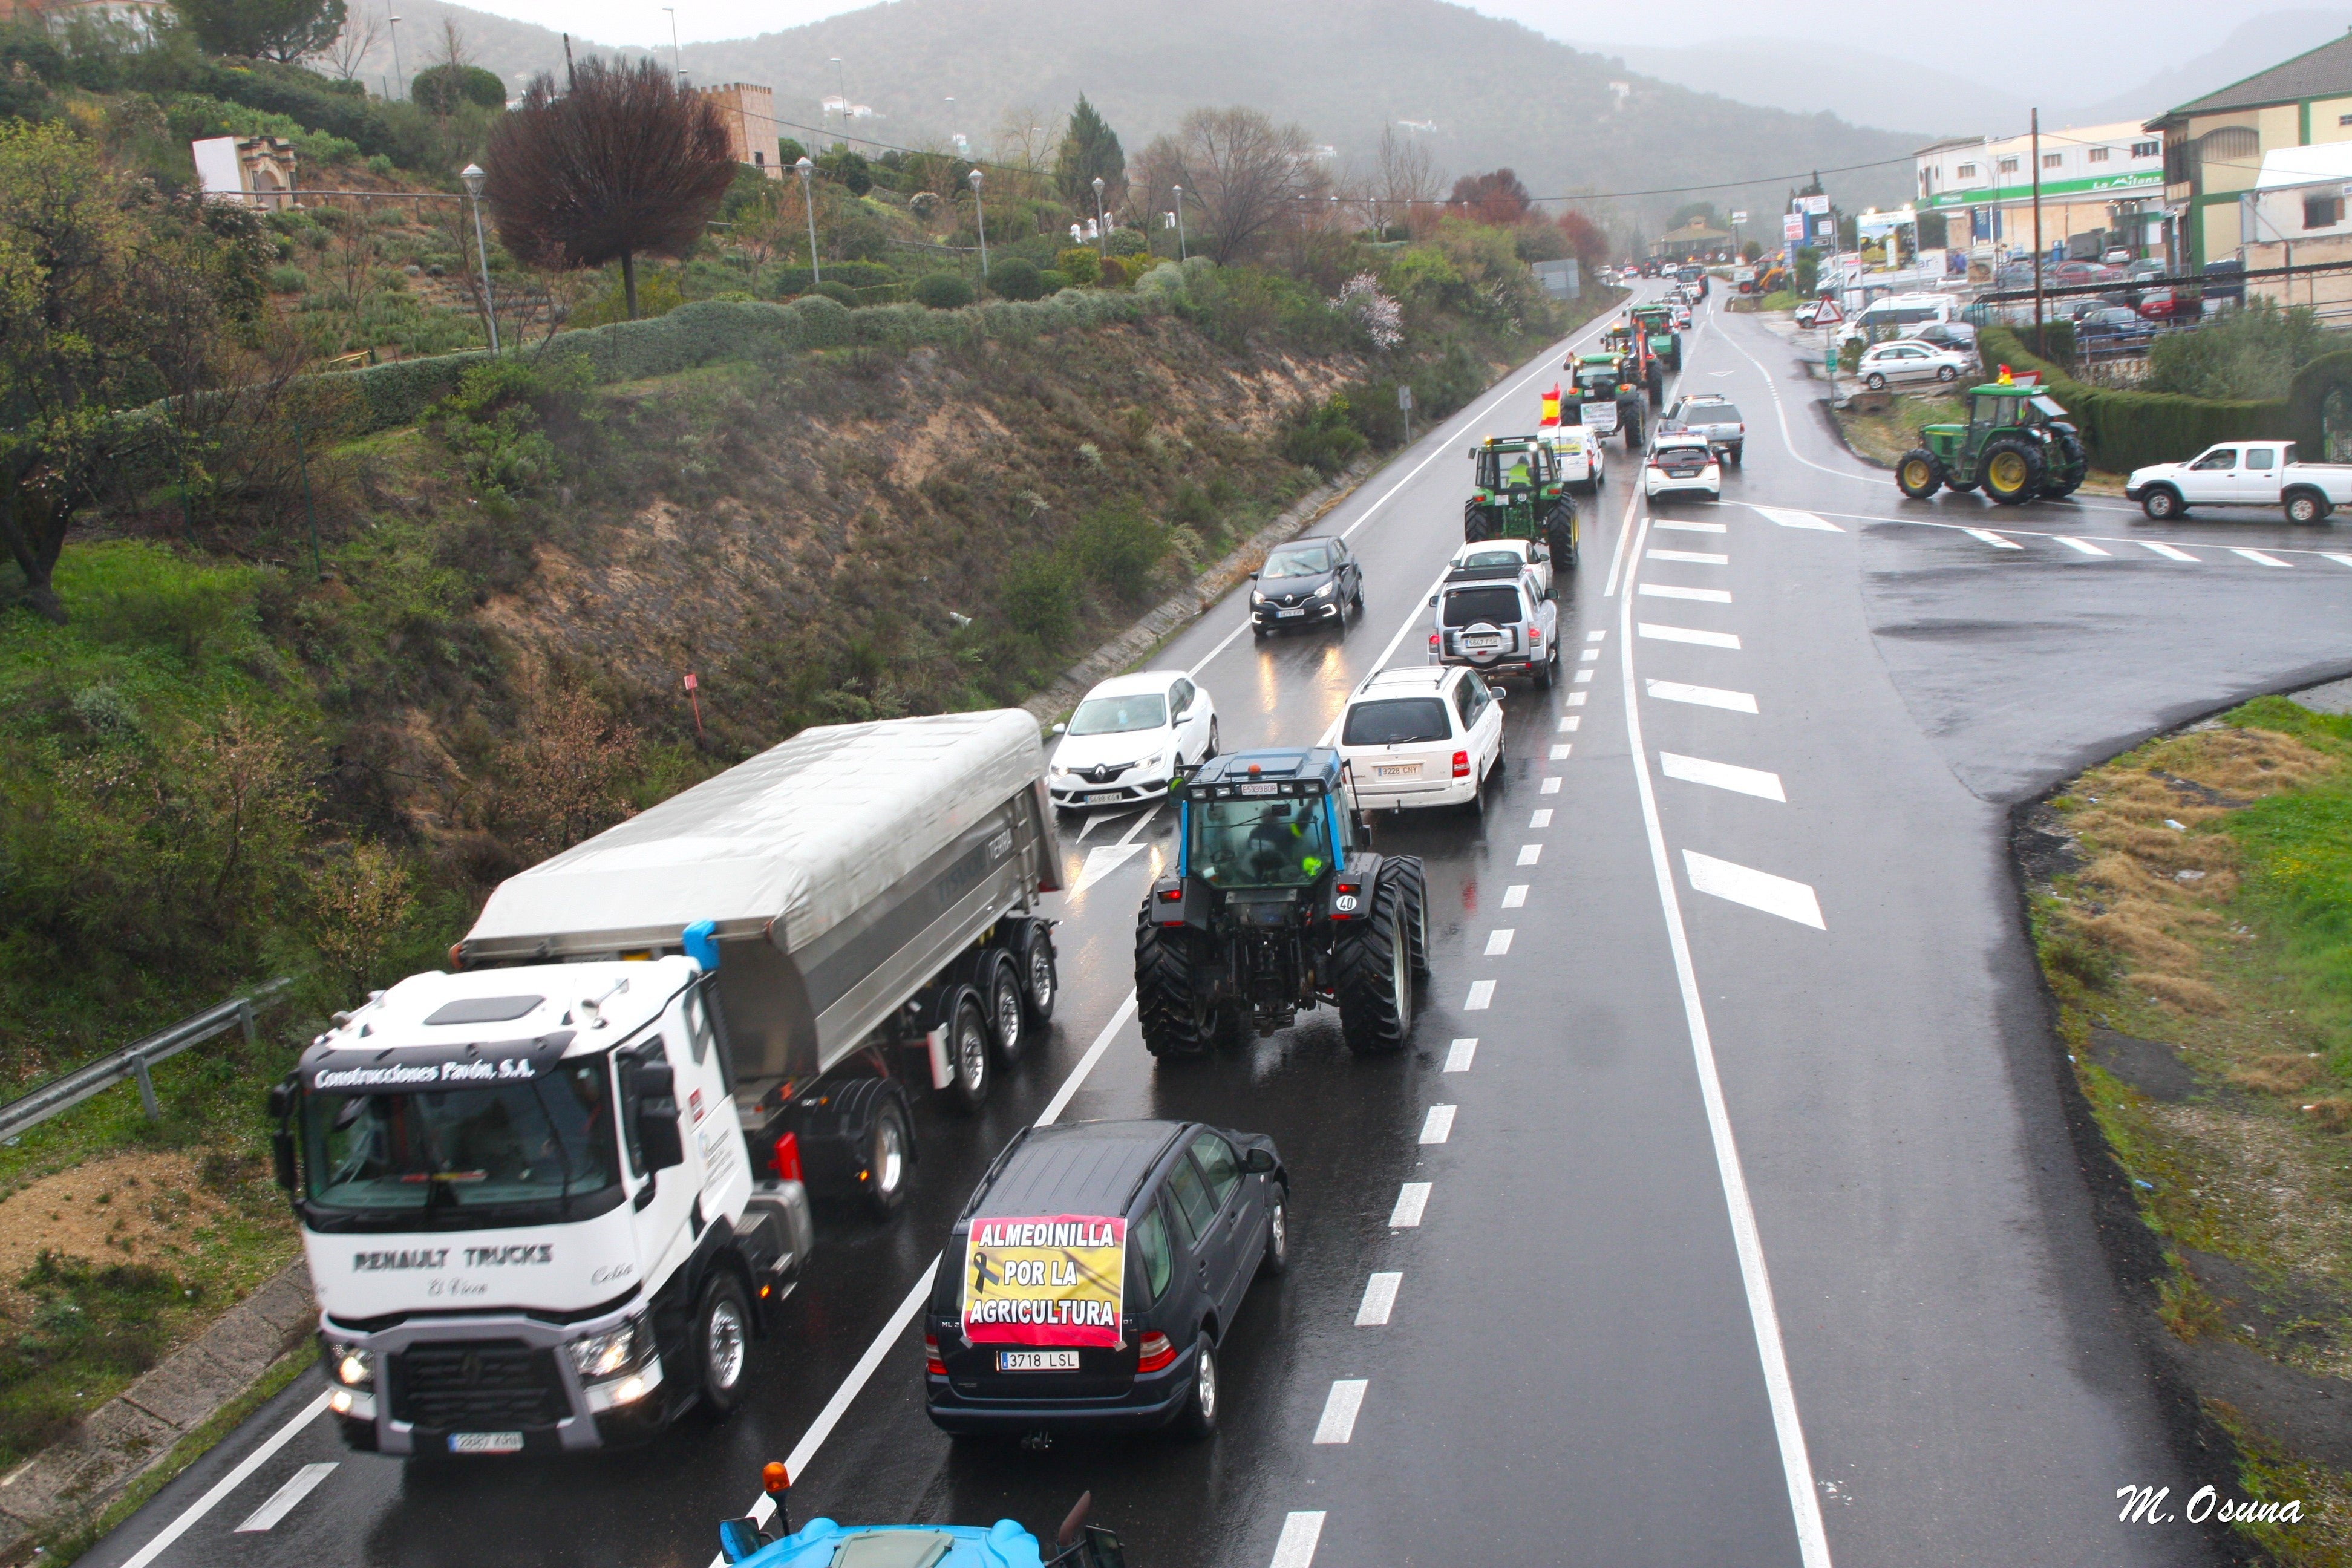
1181,254
2039,346
676,64
397,74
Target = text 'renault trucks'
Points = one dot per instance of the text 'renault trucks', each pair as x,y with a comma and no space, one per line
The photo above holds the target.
550,1198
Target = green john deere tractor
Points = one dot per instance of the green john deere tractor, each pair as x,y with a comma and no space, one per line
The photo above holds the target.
1520,495
1604,382
2018,444
1657,323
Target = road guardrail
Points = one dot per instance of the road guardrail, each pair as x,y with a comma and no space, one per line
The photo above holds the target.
69,1089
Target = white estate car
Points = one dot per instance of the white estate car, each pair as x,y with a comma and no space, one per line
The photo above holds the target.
1582,464
1681,462
1906,360
1127,738
1420,737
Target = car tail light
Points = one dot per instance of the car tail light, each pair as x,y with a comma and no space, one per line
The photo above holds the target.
1432,640
1154,1352
1461,764
931,1362
786,1161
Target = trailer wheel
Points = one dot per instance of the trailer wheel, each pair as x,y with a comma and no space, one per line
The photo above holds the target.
722,1343
1041,981
1374,964
887,1152
968,1049
1007,1010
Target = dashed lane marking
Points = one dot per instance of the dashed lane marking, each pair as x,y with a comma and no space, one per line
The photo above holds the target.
1797,520
1560,753
1569,722
1695,557
1540,818
1340,1411
1551,785
1690,527
2168,552
162,1541
1481,997
1583,677
1299,1534
283,1500
1990,537
1412,1198
1515,896
1576,699
1669,591
1721,775
1757,890
1686,634
1459,1054
1596,637
1438,1125
1530,853
2257,557
1498,941
1703,696
1588,655
1380,1300
2083,546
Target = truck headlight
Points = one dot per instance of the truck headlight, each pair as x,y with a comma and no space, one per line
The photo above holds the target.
353,1366
615,1350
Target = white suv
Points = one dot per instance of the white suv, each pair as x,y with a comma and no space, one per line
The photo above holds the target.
1420,738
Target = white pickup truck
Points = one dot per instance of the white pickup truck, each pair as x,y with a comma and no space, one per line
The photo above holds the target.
2244,473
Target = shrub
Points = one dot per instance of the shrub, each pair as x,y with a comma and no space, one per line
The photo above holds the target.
1117,547
1039,596
943,292
2252,352
1052,280
1080,265
1126,242
1324,439
439,89
1016,279
840,293
1114,273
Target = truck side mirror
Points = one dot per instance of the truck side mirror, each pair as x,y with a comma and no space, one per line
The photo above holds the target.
281,1100
281,1156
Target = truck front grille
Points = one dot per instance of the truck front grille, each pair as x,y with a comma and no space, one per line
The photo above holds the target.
477,1384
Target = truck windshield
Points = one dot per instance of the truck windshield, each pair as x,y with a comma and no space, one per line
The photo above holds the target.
1116,715
1260,843
534,1142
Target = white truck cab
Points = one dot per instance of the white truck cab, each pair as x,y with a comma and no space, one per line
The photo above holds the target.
2242,473
529,1210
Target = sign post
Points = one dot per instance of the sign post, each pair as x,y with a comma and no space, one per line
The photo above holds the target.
1404,402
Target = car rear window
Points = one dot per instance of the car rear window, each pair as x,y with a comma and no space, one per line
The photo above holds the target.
1395,721
1468,606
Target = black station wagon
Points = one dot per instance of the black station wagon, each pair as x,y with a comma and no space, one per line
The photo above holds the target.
1204,1213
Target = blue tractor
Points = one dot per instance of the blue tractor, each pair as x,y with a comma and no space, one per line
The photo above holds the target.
1278,904
771,1542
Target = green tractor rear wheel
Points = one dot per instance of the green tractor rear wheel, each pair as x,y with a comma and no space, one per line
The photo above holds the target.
2011,469
1560,537
2068,466
1476,527
1919,473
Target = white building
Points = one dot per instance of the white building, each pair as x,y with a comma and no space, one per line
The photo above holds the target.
2097,181
2295,215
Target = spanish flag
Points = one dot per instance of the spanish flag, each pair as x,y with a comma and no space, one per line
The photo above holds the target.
1551,405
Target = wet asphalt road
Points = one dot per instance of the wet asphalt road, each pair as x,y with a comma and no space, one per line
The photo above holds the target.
1755,1238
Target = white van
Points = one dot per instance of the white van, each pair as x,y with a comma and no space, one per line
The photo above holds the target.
1897,315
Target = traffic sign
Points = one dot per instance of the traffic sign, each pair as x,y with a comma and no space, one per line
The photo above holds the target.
1829,315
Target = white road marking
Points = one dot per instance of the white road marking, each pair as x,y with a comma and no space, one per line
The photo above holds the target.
1798,519
2339,559
1498,941
1094,820
1412,1197
1339,1423
2083,545
1796,1466
1540,818
1101,861
1692,527
1990,537
2168,552
228,1483
1141,824
1299,1534
1380,1300
1596,637
1438,1126
1559,753
1695,557
2257,557
1757,890
1703,696
1481,995
1061,1101
1459,1054
1588,655
281,1501
1569,723
1721,775
1576,699
1686,634
1530,853
1584,676
1515,896
1703,595
1551,785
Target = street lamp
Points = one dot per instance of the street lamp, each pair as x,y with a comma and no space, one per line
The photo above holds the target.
981,213
1102,241
1181,254
396,73
676,63
474,178
808,199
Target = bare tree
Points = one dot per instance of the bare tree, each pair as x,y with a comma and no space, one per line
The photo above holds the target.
353,254
1404,183
353,45
626,162
1244,176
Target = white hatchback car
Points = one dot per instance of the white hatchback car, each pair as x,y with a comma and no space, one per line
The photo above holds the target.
1681,462
1904,360
1420,737
1129,738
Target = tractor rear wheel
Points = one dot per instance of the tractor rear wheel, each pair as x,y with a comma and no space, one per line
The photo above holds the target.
1170,973
1476,529
2068,469
1560,538
1406,869
1372,964
1919,473
2011,469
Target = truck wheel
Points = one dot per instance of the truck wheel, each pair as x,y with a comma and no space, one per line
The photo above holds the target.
1175,1021
1374,964
2011,470
1920,474
968,1049
1041,979
1007,1009
885,1189
2307,506
722,1343
1199,1418
2161,504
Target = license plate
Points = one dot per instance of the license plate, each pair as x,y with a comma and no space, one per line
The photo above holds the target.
1036,1361
1097,798
486,1442
1280,614
1482,645
1403,771
1682,473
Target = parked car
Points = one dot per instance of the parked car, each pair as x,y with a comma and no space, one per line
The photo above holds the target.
2116,256
2167,304
1904,360
1682,463
2242,473
1421,738
2112,327
1130,736
1808,312
2225,283
1303,582
2068,273
1951,337
1024,1333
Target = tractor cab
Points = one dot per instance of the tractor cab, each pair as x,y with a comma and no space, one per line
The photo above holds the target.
1254,821
2017,445
1520,494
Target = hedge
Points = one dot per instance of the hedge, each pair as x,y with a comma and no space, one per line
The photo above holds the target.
2128,430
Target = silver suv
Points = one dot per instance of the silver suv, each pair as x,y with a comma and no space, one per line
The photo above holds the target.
1497,621
1713,415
